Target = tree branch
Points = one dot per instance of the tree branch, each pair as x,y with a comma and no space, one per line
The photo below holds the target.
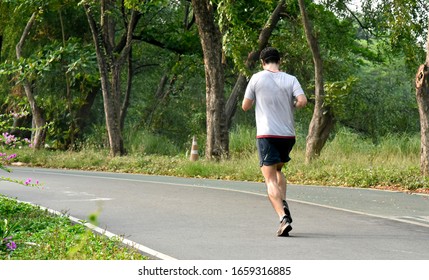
24,35
176,48
265,34
358,20
135,17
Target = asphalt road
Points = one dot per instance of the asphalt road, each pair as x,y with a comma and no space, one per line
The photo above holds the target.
197,219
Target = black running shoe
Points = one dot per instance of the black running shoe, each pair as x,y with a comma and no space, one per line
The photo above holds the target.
287,212
284,228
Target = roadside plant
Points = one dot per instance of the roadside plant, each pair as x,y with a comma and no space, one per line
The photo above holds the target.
7,244
9,141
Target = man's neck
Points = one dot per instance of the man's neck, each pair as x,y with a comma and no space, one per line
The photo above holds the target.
272,67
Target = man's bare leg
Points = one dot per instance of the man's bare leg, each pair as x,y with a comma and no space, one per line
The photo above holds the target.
281,181
274,190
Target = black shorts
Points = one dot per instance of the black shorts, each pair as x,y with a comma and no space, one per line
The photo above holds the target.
274,150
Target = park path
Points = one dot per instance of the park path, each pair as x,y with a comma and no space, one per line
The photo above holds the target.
199,219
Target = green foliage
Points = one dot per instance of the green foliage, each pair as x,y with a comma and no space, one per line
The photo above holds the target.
336,96
73,58
57,62
382,101
366,81
402,23
177,111
44,67
240,23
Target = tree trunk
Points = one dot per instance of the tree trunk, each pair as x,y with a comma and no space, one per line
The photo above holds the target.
422,96
85,109
323,120
1,45
236,95
126,102
38,132
211,41
111,57
159,99
253,57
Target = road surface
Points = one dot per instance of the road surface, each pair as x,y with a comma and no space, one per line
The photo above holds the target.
197,219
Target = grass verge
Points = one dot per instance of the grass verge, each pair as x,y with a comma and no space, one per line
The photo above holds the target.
39,235
346,160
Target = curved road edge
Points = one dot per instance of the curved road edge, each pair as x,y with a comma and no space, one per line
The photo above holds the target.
146,251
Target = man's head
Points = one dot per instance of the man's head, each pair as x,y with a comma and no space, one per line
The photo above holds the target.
270,55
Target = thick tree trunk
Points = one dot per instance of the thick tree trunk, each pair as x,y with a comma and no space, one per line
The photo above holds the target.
38,130
211,41
422,96
253,57
323,120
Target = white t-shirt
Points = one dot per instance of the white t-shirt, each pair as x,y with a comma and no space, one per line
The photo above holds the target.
274,93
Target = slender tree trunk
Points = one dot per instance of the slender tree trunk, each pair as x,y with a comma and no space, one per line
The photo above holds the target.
39,131
1,45
422,96
111,57
85,109
73,125
322,121
253,57
126,102
211,42
159,99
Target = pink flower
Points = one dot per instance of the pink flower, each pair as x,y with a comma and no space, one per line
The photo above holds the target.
11,156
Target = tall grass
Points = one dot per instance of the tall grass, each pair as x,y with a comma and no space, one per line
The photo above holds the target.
242,141
350,160
346,160
148,143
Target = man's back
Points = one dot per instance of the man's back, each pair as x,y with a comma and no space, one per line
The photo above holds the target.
274,94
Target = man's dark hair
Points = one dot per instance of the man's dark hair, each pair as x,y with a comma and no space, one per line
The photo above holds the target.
270,55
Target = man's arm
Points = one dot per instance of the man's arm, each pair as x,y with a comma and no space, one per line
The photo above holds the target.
247,104
301,101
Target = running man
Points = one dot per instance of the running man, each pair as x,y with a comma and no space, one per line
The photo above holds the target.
275,95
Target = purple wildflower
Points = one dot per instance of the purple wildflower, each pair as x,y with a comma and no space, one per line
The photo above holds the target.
11,246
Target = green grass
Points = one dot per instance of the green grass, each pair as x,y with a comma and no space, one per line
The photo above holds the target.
349,160
346,160
40,235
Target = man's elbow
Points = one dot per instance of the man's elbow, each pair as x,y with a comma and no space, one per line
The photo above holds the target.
247,104
301,102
